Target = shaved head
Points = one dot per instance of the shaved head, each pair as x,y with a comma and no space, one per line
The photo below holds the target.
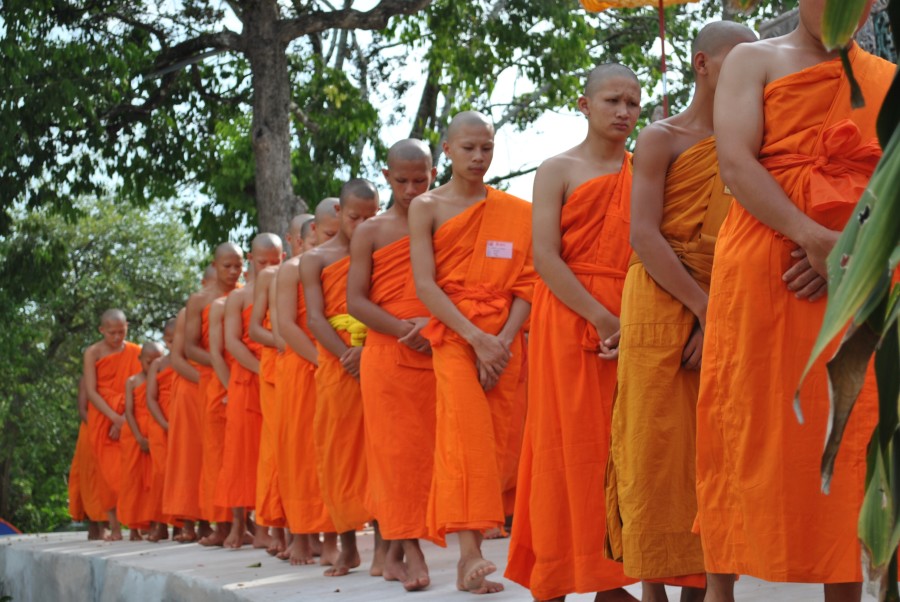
326,208
265,241
307,227
152,348
721,36
468,119
113,315
209,274
227,248
601,73
170,325
296,225
359,188
409,149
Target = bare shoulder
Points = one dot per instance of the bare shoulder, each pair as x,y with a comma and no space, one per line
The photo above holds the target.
197,301
90,354
658,141
751,62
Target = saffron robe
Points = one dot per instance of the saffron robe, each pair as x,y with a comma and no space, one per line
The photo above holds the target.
135,506
112,372
398,394
338,425
159,443
761,511
510,463
213,432
560,520
89,495
298,470
236,487
184,459
482,261
269,508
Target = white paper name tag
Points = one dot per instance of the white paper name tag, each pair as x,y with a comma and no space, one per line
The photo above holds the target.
499,249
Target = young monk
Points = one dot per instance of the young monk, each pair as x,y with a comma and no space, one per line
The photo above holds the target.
338,424
236,488
797,158
678,203
269,508
471,259
300,490
396,375
228,261
107,365
160,379
135,506
84,496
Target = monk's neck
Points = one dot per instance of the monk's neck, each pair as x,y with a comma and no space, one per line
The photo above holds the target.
602,150
110,349
699,114
467,188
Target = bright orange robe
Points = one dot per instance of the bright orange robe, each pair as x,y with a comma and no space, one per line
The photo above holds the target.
513,451
269,508
338,425
112,372
482,261
89,496
298,472
159,443
236,487
398,394
213,433
185,451
761,511
651,482
135,506
560,519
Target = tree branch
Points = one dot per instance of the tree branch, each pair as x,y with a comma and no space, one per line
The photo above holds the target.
182,54
348,18
512,174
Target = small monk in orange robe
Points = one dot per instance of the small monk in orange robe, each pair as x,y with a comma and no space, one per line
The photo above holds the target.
160,378
269,512
471,254
396,375
236,488
580,224
107,365
797,158
135,506
85,501
678,203
228,261
338,424
301,493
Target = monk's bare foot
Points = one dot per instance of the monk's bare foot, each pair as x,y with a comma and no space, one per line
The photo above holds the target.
299,552
187,535
315,543
417,577
217,537
134,535
347,560
378,558
204,530
276,542
176,532
394,568
95,530
330,550
496,533
471,573
261,538
614,595
237,537
115,528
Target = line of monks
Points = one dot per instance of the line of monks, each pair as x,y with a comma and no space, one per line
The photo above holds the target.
380,373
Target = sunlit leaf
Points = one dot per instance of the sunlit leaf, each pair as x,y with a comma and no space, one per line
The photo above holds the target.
840,20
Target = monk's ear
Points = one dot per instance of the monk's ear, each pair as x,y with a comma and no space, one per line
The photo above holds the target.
699,63
582,104
387,174
433,174
445,146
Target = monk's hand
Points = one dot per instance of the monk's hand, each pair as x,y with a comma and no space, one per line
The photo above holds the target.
413,339
492,355
802,280
818,248
693,350
609,347
350,361
114,432
486,380
144,445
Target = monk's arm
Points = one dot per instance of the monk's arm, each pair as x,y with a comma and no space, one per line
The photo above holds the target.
518,313
258,332
311,274
89,375
179,362
273,311
192,328
358,283
546,214
738,141
82,401
652,156
129,411
153,394
286,284
217,343
233,332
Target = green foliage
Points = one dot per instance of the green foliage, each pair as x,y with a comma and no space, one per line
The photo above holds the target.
58,278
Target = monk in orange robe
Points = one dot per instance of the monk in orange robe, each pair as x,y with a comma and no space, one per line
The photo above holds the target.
269,507
471,254
396,375
85,495
160,378
301,493
338,424
581,250
678,203
236,488
797,159
135,506
228,261
107,365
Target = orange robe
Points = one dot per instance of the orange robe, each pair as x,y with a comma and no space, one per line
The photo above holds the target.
269,508
482,261
338,425
159,443
89,496
185,451
651,482
398,394
213,433
560,520
236,487
112,372
510,463
135,506
297,468
761,511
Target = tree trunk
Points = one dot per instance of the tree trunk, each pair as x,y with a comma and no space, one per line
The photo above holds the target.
276,202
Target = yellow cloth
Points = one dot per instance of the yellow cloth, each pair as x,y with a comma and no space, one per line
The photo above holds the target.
348,323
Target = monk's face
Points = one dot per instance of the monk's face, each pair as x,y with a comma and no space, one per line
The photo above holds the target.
409,179
264,258
613,107
811,12
355,210
114,332
169,337
229,267
325,229
310,241
471,150
294,239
